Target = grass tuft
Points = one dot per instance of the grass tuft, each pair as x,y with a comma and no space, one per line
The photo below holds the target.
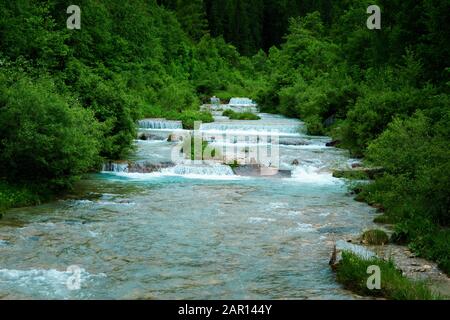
375,237
352,273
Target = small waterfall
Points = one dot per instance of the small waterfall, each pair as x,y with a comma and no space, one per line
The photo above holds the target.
160,124
215,101
242,105
200,170
115,167
245,127
136,167
237,102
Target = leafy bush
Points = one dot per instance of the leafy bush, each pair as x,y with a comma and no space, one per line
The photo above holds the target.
16,196
113,107
415,154
189,117
373,112
415,188
44,139
314,125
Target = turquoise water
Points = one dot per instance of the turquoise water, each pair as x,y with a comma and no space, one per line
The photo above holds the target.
187,236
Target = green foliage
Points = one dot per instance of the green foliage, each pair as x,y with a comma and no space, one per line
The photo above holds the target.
240,115
352,273
314,125
189,117
70,98
28,30
308,80
16,196
351,174
113,108
415,189
217,68
234,165
383,219
378,103
426,239
44,139
375,237
191,15
79,93
375,109
415,154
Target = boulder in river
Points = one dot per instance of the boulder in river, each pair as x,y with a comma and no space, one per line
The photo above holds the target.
176,137
146,136
333,143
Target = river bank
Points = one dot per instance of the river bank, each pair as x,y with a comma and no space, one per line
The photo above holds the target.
404,276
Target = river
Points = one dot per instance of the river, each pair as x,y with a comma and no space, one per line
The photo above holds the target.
184,233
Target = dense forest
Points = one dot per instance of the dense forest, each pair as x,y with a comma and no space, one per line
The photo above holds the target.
69,99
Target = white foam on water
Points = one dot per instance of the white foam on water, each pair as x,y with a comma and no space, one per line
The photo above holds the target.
293,213
241,102
305,147
248,129
313,175
115,167
305,227
278,205
352,162
219,144
217,170
197,172
360,251
163,130
260,220
79,203
93,234
48,283
160,124
150,142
